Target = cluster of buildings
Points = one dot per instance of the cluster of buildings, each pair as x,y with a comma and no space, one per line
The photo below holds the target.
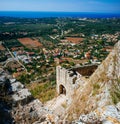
111,37
67,52
108,37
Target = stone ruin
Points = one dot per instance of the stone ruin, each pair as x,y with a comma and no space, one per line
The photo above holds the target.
70,79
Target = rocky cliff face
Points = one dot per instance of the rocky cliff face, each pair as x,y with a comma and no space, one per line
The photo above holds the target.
100,93
96,100
103,115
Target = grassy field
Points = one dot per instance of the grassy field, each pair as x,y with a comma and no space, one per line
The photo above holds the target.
43,91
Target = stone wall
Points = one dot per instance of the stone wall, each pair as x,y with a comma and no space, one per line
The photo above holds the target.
73,78
70,80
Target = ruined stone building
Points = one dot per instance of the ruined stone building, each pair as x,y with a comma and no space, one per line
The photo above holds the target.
70,79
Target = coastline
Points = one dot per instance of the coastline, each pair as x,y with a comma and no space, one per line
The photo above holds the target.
37,14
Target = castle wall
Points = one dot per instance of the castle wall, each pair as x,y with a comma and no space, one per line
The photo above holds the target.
68,79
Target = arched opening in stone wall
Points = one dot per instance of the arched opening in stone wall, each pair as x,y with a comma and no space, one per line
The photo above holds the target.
62,90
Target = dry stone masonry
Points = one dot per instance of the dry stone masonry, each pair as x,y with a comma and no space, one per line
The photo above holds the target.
68,80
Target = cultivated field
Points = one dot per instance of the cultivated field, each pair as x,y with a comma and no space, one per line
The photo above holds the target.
75,40
30,43
1,47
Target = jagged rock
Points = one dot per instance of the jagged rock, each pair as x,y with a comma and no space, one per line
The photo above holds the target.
96,105
118,106
99,93
105,115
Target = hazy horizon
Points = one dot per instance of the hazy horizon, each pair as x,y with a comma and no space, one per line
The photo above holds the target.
59,11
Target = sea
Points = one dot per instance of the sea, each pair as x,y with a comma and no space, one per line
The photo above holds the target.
22,14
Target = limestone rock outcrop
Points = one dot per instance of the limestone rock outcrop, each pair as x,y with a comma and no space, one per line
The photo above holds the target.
98,97
105,115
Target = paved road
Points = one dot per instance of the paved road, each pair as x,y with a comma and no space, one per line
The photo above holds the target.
16,59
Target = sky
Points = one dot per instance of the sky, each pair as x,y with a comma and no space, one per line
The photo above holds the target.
111,6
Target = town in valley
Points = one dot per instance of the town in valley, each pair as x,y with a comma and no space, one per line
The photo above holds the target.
32,48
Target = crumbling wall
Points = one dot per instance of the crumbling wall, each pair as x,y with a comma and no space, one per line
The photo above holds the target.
70,80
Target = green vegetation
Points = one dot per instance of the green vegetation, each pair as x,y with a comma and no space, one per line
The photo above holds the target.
12,43
23,27
2,56
44,91
97,38
25,78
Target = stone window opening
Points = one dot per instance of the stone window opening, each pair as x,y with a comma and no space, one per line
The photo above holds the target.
62,90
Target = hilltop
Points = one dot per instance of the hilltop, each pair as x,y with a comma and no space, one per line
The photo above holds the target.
101,90
60,71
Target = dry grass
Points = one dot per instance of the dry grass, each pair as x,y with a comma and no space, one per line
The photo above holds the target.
115,91
64,105
80,101
96,88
